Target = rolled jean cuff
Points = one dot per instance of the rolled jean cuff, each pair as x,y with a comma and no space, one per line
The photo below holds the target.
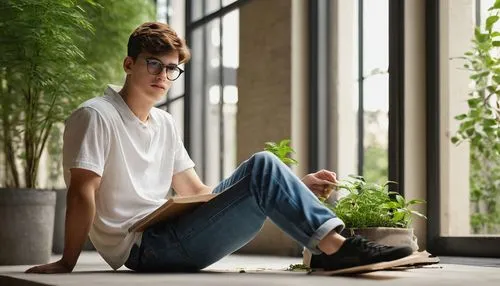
331,224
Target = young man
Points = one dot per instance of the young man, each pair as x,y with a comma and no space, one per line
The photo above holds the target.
122,155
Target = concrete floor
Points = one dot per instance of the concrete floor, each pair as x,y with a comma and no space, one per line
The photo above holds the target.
264,270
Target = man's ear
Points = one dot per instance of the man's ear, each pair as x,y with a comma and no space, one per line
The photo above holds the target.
128,63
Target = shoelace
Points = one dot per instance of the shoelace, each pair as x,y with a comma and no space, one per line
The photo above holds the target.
368,246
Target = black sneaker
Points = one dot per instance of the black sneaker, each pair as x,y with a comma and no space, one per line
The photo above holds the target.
357,251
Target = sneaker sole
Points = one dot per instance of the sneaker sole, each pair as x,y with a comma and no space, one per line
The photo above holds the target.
417,258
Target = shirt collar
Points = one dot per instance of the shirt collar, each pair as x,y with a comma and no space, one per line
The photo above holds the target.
124,109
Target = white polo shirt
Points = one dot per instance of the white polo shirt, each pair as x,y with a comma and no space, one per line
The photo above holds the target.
136,162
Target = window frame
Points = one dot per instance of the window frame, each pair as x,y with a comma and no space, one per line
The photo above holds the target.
480,246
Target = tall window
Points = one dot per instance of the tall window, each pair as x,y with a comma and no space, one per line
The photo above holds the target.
213,35
463,195
367,82
466,171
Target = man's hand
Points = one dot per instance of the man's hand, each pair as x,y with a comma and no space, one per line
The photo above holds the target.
51,268
321,183
187,183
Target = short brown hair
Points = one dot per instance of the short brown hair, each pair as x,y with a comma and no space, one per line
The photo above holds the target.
156,38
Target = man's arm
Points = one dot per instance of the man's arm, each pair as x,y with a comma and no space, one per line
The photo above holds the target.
187,183
80,211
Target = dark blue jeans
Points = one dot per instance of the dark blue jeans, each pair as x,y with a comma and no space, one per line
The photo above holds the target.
260,187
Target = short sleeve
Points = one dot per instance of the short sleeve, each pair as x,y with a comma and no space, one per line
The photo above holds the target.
182,161
86,141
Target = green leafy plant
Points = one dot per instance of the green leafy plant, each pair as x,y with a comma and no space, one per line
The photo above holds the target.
373,205
480,125
55,55
298,268
282,150
40,69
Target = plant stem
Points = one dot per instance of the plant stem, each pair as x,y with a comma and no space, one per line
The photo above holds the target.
10,160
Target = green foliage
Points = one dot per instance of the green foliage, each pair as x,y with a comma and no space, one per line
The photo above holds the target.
105,49
40,67
55,55
376,166
298,268
372,205
481,126
282,150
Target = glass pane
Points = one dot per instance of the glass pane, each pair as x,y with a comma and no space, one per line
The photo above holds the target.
202,8
375,36
196,9
161,10
230,60
375,90
213,94
230,40
227,2
376,108
176,16
211,6
470,171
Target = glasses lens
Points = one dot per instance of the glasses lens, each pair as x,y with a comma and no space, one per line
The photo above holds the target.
173,72
154,67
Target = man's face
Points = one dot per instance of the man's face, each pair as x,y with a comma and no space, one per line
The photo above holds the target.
149,74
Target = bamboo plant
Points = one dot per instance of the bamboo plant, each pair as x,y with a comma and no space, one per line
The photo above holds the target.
55,55
39,70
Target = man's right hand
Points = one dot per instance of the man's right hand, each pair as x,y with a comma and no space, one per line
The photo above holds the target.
51,268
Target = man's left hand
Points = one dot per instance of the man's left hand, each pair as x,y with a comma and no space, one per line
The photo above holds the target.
320,181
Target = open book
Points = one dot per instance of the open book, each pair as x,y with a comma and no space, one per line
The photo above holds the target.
172,208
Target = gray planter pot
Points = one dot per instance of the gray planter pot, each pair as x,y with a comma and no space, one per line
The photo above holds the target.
59,221
59,218
386,235
27,220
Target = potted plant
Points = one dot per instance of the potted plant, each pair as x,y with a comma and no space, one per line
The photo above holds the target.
42,71
372,211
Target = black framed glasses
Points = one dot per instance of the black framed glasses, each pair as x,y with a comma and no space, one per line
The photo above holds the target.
155,67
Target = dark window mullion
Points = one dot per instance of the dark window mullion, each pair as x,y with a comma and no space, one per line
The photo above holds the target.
313,85
478,12
432,78
396,94
167,17
319,88
324,71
